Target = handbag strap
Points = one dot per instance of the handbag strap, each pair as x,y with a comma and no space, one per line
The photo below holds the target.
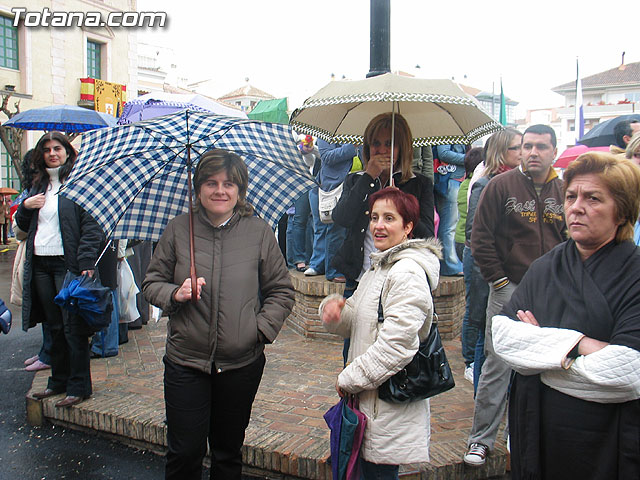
381,313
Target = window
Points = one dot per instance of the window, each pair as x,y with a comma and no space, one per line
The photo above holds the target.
8,44
632,96
8,175
93,59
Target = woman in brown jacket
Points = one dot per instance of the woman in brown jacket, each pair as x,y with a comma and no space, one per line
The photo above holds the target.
214,358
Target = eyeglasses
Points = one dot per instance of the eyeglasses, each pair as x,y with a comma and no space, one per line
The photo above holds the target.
514,148
636,155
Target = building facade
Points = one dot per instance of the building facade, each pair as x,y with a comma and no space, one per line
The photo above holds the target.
43,65
605,95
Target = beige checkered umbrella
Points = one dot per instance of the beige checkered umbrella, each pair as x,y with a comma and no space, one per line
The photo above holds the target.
438,111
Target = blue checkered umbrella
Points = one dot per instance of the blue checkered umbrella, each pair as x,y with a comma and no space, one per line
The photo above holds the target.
133,178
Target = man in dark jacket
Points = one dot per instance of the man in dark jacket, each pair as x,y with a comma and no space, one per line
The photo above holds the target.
518,219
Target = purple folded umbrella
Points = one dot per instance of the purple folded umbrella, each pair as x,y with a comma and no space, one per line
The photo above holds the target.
347,426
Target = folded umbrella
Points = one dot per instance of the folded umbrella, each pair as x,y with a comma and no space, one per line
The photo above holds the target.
85,296
5,318
347,426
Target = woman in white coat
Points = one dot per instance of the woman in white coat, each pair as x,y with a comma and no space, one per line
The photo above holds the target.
395,433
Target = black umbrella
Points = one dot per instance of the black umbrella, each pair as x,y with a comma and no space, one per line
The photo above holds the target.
602,134
85,296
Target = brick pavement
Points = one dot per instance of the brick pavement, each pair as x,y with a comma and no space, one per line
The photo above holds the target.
287,437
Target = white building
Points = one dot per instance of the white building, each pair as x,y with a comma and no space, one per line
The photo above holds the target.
605,95
44,65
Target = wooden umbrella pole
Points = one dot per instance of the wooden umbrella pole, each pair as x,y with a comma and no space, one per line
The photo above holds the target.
393,131
194,279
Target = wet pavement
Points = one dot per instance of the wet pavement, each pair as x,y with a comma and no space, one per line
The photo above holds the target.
287,436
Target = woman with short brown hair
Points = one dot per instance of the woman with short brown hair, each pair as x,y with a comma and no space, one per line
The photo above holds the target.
215,346
572,333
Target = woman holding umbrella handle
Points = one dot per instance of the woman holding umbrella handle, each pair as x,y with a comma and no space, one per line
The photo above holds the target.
352,210
61,237
215,346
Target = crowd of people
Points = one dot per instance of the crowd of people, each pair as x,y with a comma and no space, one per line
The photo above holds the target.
549,266
537,252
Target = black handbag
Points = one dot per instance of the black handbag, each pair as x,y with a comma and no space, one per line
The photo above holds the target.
427,374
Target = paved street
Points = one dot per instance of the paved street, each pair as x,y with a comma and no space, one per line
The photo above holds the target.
52,452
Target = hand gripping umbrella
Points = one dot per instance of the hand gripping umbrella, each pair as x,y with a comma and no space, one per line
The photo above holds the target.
438,111
134,178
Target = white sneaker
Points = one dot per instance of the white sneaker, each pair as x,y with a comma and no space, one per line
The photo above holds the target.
311,272
476,455
468,373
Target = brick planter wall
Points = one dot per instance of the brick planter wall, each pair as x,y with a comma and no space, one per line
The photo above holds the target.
310,291
304,319
450,305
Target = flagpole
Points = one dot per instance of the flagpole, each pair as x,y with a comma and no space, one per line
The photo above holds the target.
578,119
503,106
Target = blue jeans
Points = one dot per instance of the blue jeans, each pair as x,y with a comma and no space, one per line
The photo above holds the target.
469,335
105,342
300,232
447,207
327,239
47,343
378,471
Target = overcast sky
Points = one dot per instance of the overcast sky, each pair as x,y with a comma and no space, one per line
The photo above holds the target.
289,48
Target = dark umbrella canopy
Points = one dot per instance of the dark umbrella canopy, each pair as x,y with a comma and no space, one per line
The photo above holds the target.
63,118
85,296
602,134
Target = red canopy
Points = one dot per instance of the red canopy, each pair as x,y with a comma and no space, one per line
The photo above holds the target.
571,153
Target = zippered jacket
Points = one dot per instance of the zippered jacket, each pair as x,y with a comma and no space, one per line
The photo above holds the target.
513,226
246,299
395,433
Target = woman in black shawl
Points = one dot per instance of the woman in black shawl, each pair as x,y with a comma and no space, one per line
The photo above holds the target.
574,411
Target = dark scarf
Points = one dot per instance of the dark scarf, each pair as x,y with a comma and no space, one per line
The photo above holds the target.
598,297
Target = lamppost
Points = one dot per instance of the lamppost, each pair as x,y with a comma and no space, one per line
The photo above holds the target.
379,49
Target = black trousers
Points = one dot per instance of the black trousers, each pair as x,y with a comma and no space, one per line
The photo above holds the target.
70,370
216,407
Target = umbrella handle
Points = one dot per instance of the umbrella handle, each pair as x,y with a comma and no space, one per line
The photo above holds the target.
192,263
393,131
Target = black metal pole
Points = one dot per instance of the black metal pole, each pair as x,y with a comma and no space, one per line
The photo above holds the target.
379,49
